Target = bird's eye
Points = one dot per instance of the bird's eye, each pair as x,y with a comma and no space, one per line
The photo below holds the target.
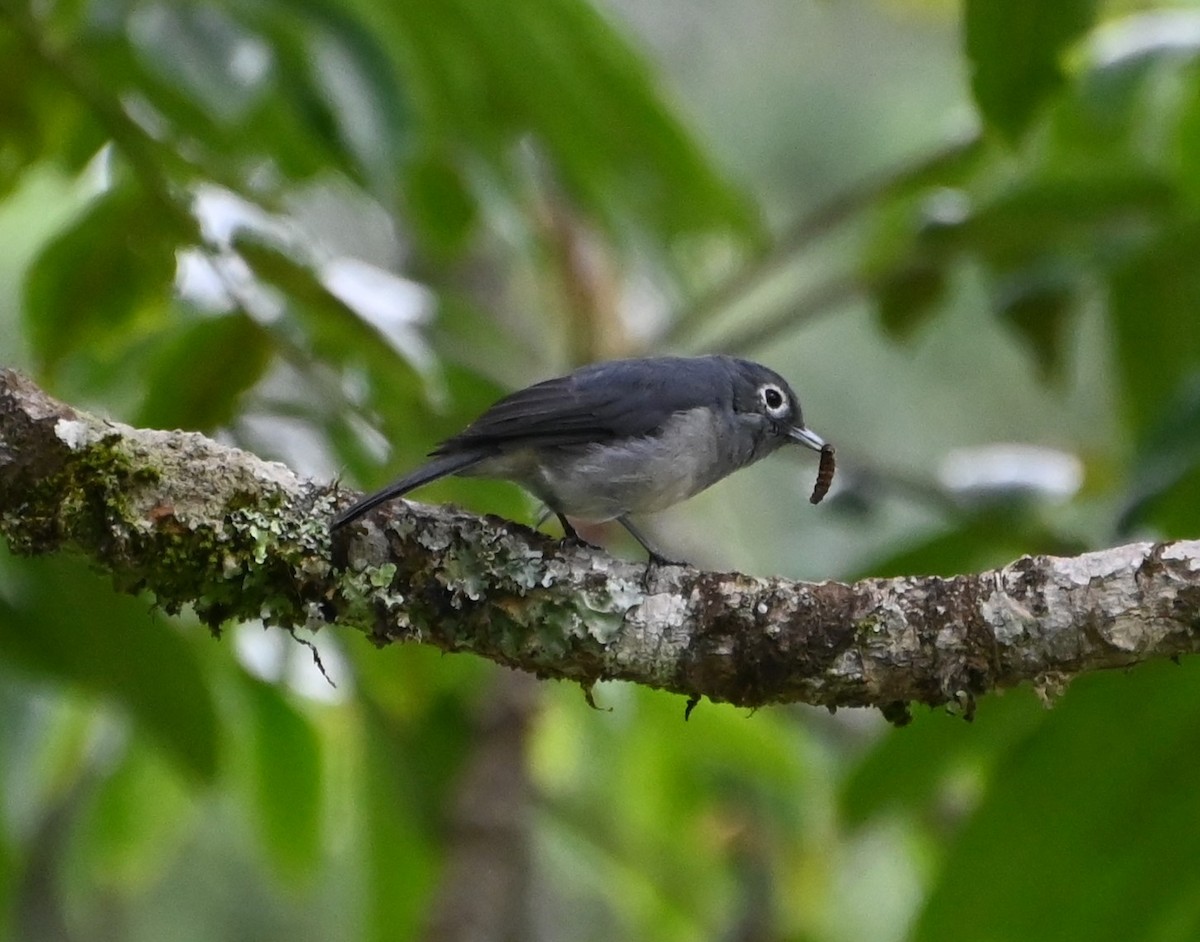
774,400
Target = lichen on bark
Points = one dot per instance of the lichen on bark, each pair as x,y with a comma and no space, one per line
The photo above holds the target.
193,522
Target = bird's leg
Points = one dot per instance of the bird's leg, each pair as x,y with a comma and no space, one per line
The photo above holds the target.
570,535
568,531
656,558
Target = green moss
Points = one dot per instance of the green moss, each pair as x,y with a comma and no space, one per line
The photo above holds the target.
79,501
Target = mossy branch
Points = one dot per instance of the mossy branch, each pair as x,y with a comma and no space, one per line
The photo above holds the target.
196,523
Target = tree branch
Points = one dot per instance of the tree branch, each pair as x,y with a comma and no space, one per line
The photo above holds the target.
195,522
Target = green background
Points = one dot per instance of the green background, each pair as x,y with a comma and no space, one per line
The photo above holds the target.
333,232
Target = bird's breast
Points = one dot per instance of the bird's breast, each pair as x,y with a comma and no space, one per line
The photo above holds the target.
600,481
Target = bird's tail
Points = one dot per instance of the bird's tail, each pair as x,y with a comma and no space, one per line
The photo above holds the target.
439,467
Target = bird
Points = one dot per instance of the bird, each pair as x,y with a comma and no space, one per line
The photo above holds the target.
620,438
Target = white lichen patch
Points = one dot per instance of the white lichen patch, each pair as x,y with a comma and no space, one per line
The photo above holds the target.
1009,620
524,567
603,610
1186,550
554,571
1133,634
625,593
464,576
435,538
274,472
889,613
656,635
603,625
948,637
314,618
75,433
848,664
1081,570
662,608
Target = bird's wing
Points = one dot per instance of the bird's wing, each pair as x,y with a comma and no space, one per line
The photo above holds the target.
617,399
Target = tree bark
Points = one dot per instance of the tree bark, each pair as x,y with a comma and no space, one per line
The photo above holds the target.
195,522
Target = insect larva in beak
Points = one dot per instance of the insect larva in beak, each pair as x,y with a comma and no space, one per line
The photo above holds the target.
824,474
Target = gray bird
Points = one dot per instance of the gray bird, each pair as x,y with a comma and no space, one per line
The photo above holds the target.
620,438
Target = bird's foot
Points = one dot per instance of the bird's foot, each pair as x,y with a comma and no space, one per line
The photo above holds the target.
574,541
654,562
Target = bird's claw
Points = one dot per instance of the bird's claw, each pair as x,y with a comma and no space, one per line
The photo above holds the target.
575,541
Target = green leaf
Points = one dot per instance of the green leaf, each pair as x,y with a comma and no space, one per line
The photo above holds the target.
1165,492
1170,505
911,768
184,390
340,93
1036,304
1097,212
907,297
1154,297
304,86
404,788
1015,48
288,782
191,48
1187,140
555,72
40,120
638,785
136,822
334,329
337,334
466,335
66,624
1088,829
93,280
9,871
439,204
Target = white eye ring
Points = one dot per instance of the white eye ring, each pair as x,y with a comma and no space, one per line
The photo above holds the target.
774,400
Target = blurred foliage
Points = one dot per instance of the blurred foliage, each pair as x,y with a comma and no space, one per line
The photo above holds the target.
332,232
1016,55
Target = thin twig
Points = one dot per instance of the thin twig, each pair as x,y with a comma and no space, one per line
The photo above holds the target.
807,229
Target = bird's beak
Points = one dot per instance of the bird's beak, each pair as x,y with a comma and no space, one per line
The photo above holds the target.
807,438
